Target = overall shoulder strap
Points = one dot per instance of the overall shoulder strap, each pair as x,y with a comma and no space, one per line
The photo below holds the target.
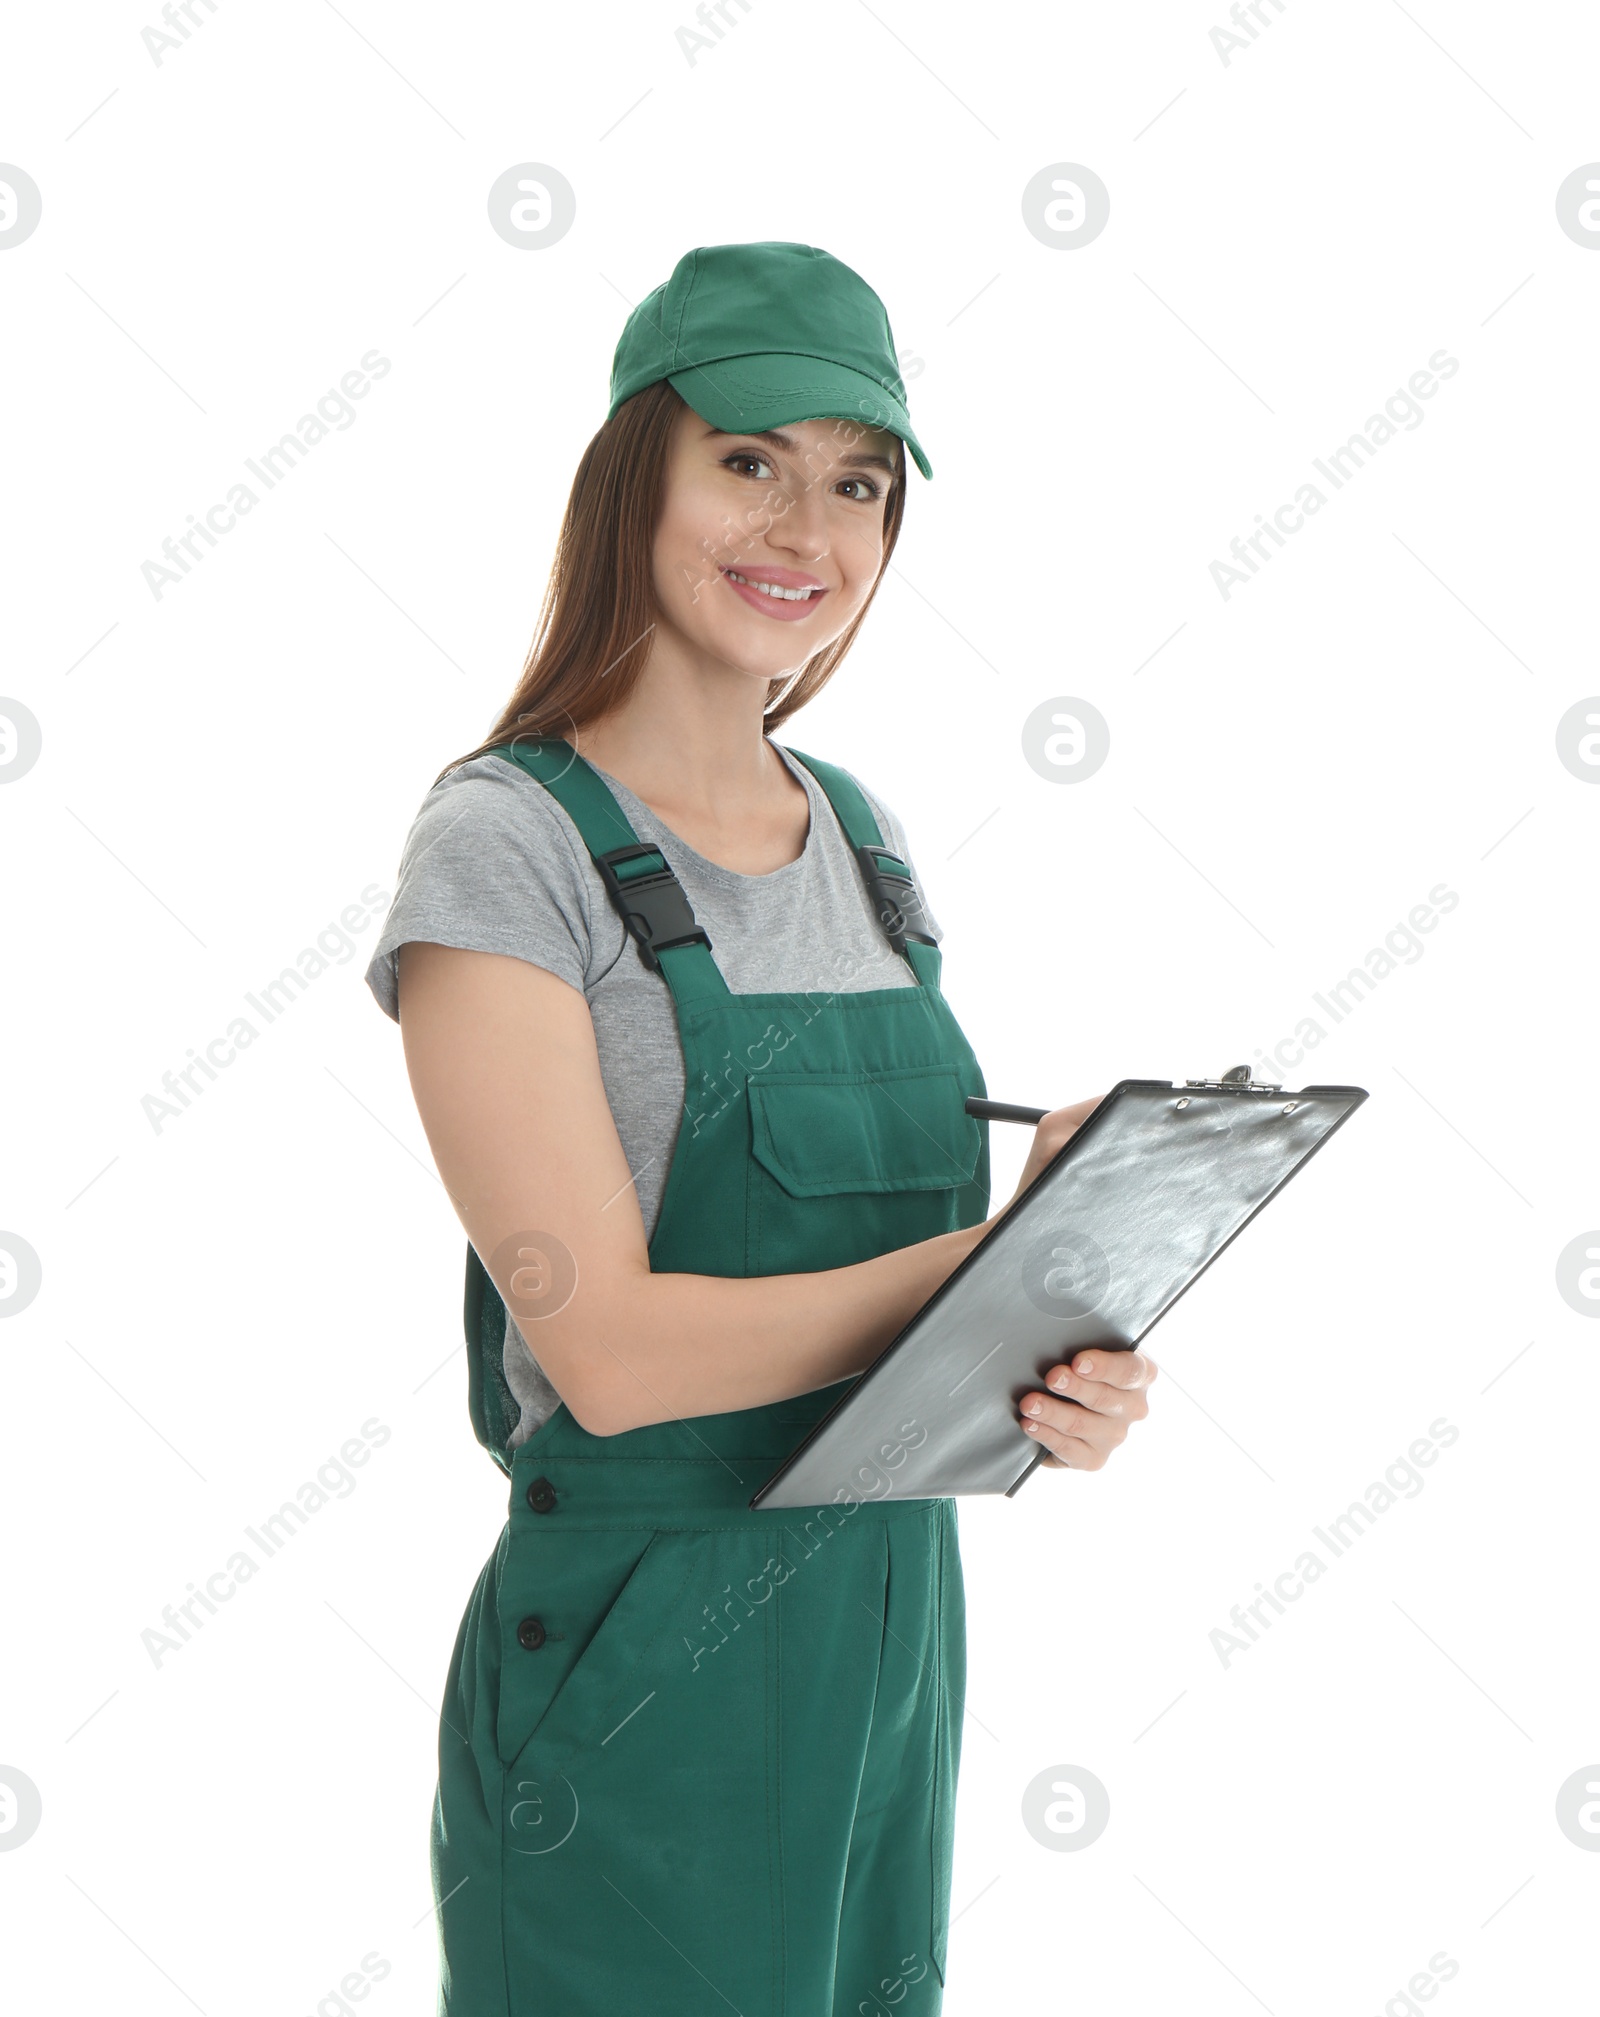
637,875
889,881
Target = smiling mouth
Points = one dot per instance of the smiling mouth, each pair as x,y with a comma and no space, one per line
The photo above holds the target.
771,588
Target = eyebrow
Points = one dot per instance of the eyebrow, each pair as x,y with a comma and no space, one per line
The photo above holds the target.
775,438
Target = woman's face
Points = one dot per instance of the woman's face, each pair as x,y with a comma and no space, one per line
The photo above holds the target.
799,508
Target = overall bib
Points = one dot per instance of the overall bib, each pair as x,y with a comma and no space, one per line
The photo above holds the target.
695,1758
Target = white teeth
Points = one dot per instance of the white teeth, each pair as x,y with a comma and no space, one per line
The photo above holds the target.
769,588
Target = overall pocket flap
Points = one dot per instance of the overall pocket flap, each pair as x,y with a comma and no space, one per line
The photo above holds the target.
823,1132
583,1587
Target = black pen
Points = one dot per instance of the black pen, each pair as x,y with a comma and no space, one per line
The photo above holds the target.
999,1110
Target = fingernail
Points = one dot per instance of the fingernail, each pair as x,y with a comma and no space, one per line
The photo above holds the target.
1085,1369
1033,1407
1060,1382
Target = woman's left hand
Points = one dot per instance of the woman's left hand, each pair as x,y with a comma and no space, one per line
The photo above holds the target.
1090,1406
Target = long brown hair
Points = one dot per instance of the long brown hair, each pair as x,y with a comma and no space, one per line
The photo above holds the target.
599,608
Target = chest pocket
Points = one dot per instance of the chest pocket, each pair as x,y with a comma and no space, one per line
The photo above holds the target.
871,1161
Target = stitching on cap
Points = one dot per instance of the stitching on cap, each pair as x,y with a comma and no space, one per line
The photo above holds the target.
683,301
748,386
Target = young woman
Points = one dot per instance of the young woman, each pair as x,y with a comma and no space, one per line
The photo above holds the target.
671,1011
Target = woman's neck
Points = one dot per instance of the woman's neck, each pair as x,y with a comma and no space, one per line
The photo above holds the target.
706,769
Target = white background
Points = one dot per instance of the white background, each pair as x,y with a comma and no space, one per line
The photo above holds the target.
1292,768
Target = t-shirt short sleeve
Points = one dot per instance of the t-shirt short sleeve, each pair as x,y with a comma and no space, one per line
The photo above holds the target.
488,867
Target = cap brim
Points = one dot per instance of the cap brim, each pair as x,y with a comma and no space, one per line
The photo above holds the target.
747,395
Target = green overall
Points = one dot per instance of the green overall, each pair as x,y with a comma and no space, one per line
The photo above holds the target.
696,1758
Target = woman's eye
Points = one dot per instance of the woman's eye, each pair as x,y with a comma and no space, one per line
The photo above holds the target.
744,462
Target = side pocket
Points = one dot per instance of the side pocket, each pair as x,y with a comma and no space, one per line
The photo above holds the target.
572,1606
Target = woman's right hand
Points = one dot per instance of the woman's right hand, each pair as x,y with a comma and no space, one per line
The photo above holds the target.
1050,1137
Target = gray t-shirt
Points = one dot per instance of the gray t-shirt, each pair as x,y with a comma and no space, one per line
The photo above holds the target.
494,864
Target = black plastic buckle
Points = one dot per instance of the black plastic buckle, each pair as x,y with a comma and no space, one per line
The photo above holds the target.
653,907
896,897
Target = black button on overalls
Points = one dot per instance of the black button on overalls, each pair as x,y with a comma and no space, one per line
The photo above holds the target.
531,1633
541,1495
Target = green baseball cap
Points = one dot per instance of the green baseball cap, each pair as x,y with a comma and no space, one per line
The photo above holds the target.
752,336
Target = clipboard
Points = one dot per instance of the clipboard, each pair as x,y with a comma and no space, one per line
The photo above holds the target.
1122,1222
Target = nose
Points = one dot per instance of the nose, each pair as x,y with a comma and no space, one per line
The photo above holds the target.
802,528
